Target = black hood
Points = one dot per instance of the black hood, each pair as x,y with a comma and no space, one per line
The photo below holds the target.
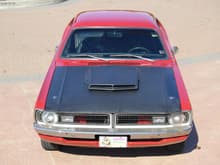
113,89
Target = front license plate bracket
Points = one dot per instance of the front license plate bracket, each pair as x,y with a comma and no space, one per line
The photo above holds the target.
113,141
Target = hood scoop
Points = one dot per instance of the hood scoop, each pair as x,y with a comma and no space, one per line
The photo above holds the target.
112,87
110,79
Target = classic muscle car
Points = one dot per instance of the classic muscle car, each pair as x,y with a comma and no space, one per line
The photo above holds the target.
114,82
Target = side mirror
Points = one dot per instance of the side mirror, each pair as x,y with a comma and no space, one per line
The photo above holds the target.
56,48
175,50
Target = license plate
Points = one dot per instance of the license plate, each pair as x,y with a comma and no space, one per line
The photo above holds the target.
113,141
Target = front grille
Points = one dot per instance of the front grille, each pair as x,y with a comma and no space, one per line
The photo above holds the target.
111,120
86,119
92,119
127,119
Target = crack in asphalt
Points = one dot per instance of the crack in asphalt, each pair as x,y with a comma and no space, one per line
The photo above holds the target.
39,76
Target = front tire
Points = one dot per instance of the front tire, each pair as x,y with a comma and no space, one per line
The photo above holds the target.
176,148
49,146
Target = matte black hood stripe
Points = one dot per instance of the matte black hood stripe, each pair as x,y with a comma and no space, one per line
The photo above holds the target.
156,92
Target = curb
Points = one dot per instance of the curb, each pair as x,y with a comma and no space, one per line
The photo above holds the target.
12,4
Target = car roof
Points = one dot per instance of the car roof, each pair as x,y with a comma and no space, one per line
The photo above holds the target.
115,18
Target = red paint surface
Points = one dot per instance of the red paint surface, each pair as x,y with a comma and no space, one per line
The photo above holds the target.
115,18
95,143
42,97
184,98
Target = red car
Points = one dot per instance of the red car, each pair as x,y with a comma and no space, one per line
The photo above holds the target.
114,82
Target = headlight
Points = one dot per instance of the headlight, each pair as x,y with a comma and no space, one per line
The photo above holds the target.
180,118
49,117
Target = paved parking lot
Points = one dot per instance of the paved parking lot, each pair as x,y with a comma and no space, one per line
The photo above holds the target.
27,44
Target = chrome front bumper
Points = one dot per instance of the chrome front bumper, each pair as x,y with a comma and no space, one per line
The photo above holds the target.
148,132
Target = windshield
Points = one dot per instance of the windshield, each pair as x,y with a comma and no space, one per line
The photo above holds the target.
107,43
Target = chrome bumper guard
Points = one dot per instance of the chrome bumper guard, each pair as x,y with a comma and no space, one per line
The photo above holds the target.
147,132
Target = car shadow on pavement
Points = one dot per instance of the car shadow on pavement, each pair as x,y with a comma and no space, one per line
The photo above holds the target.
190,145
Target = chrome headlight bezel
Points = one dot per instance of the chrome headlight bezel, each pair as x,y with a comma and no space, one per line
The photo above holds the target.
179,118
46,117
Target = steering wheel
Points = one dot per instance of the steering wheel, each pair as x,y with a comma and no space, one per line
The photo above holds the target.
138,49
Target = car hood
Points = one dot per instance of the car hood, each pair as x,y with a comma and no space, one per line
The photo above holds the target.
113,89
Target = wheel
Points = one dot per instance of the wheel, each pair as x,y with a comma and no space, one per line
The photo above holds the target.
139,49
49,146
176,148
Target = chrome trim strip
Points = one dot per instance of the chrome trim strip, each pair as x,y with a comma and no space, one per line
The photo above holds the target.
152,126
111,120
133,133
72,125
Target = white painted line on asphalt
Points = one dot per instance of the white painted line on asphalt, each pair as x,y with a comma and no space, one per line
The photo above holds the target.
16,4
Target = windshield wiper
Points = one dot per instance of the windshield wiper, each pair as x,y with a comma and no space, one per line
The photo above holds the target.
132,55
84,55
